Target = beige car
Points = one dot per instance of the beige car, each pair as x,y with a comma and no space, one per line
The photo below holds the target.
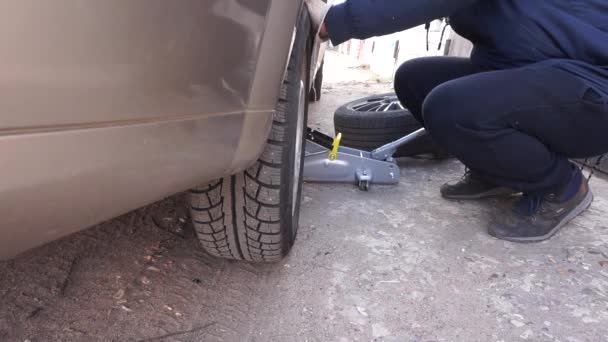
111,105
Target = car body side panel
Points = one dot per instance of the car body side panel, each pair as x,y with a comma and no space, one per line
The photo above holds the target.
269,71
110,105
71,62
59,182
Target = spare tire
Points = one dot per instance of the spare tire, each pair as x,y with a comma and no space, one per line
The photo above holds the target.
376,120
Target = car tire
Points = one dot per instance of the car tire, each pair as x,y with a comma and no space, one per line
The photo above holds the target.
254,215
315,92
373,121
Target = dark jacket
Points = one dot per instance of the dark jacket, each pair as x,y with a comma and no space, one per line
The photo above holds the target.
569,34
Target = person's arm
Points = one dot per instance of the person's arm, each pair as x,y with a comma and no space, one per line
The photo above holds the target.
362,19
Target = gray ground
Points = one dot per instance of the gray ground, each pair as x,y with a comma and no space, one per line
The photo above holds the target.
395,264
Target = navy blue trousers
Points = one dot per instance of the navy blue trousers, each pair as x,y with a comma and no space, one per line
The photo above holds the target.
515,128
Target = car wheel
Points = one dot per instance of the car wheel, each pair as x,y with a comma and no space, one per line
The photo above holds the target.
373,121
254,215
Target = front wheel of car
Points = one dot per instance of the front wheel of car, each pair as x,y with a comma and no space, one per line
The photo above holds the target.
254,215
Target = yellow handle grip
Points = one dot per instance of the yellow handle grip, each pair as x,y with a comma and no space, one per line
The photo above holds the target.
333,155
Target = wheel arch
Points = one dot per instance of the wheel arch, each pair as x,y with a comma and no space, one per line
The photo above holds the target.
275,50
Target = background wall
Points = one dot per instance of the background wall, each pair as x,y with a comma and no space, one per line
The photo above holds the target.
383,55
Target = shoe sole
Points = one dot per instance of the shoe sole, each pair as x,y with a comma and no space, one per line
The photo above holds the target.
496,192
584,205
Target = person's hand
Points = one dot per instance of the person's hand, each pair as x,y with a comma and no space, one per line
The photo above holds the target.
318,11
323,34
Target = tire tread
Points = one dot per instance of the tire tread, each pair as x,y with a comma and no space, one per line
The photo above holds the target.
239,217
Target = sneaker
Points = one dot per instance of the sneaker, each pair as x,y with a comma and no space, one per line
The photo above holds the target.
538,218
471,187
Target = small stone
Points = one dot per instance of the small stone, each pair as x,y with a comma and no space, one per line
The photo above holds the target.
153,269
144,280
126,308
362,311
119,294
527,334
379,330
517,323
547,323
588,320
168,307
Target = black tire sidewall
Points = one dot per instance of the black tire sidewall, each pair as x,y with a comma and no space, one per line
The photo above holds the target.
300,59
346,117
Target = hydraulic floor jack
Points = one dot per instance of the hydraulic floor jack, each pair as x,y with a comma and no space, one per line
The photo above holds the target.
325,161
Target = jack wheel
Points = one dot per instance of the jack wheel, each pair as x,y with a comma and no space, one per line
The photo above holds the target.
364,185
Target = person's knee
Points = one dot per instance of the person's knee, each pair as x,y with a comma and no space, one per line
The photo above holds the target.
410,73
402,83
408,80
442,110
405,72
